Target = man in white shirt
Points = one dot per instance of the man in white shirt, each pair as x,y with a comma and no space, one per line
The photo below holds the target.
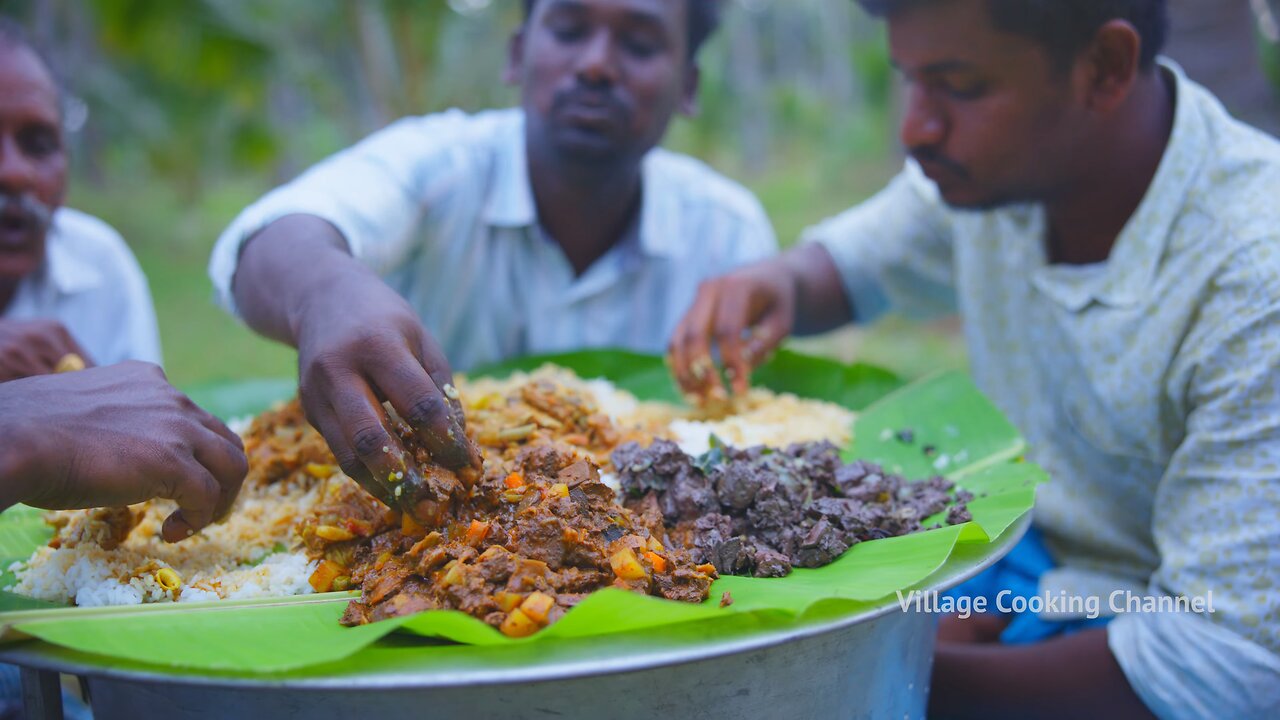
71,293
1109,235
553,227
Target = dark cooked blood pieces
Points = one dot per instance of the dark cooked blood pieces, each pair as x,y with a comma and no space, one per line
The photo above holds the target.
759,511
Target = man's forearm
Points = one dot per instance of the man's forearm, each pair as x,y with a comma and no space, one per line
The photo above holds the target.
821,304
1068,677
283,267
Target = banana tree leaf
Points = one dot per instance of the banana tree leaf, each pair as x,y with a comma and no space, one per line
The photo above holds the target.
249,397
646,376
954,431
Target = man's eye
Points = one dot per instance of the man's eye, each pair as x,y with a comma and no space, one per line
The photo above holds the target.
40,142
641,46
568,31
967,91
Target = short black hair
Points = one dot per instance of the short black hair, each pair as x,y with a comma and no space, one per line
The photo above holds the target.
704,18
1063,27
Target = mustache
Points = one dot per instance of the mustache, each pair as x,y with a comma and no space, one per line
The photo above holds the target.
589,95
928,155
30,208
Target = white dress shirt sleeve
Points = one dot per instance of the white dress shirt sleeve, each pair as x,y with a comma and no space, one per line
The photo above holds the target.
373,193
141,331
894,250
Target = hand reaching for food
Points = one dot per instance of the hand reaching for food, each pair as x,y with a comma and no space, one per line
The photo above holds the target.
38,347
359,348
746,315
114,436
367,367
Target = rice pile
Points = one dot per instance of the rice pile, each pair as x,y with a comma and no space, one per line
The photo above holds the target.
762,417
256,552
253,554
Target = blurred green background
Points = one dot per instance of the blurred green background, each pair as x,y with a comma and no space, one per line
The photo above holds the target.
184,112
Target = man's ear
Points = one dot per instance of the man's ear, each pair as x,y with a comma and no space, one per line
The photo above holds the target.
515,58
689,95
1112,63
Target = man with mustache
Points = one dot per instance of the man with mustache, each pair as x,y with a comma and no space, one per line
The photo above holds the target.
458,239
71,293
1111,238
68,285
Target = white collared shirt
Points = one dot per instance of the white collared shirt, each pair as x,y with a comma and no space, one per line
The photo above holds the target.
91,283
440,206
1147,385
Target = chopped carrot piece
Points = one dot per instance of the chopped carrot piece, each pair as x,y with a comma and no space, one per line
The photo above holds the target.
707,569
659,563
514,480
477,532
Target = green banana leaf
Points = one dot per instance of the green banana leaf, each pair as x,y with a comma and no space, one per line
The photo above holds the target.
953,431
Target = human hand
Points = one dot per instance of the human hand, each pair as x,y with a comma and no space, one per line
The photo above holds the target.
37,347
115,436
747,314
360,344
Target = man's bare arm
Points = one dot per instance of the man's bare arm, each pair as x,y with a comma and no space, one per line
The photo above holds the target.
359,344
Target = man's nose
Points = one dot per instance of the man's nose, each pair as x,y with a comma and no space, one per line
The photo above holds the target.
17,173
597,65
922,123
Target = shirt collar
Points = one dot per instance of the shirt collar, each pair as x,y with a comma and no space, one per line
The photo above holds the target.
64,270
1124,278
510,201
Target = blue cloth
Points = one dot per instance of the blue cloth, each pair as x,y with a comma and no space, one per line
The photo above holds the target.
1019,573
11,698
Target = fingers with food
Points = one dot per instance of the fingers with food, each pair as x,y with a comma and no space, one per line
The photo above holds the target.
114,436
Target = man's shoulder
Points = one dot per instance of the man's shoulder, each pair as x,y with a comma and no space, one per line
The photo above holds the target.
458,128
699,187
1232,210
87,236
1239,181
86,252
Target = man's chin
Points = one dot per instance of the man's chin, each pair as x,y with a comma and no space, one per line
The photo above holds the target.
972,200
588,147
16,265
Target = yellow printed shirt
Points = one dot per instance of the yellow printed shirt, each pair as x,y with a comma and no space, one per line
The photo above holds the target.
1147,385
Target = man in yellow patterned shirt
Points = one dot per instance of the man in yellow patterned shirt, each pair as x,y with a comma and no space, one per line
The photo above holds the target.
1111,237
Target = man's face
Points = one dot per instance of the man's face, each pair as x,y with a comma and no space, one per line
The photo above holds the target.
989,118
600,79
33,164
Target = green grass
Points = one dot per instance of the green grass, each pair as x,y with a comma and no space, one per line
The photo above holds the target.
172,236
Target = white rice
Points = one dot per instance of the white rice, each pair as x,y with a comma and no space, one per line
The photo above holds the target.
254,553
764,418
